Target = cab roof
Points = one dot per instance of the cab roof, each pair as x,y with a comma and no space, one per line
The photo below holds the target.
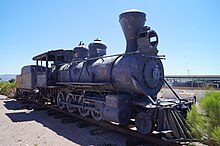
51,54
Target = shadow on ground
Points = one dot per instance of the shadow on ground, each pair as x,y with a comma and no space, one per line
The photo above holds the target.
69,131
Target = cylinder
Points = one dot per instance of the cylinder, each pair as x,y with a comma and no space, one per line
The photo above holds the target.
132,21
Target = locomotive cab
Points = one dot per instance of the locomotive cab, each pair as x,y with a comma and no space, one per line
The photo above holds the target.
50,60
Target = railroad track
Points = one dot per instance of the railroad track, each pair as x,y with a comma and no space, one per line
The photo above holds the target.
134,137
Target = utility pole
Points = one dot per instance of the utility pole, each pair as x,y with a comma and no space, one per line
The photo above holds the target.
188,72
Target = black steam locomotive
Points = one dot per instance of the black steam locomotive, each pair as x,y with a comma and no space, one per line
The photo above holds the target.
117,88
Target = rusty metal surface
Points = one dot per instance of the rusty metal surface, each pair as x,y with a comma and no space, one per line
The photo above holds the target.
97,48
27,79
41,80
80,52
132,21
18,81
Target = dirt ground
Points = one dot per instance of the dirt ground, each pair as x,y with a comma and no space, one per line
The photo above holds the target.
22,127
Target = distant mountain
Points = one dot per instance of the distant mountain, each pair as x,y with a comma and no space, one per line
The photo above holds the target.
6,77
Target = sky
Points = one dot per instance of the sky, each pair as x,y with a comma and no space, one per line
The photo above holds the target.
188,30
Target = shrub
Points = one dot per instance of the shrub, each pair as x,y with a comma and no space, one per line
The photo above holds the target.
204,119
11,80
7,88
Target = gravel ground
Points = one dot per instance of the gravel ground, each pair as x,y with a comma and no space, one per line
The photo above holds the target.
35,128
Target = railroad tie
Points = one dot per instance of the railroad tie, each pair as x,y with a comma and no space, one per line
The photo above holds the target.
69,120
130,141
99,131
60,115
52,112
83,124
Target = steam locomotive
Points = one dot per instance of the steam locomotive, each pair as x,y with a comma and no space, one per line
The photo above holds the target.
118,88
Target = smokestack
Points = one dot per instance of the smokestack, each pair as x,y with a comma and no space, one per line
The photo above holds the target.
132,21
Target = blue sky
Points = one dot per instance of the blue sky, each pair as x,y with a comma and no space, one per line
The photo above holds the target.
189,33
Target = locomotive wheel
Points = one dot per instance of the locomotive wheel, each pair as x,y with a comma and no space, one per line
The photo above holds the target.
71,99
60,100
143,123
18,93
96,115
82,111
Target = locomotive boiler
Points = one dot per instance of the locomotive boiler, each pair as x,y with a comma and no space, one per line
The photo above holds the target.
118,88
